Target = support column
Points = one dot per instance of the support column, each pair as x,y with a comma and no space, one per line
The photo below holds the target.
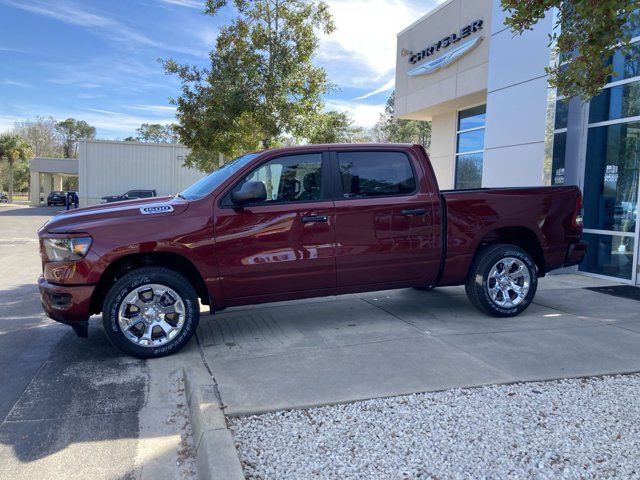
47,182
34,189
57,182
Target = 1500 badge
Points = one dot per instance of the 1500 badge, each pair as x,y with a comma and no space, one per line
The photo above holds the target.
156,209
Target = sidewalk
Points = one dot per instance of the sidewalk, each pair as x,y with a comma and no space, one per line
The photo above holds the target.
334,350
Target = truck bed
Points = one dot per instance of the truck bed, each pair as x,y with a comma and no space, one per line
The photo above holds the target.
520,214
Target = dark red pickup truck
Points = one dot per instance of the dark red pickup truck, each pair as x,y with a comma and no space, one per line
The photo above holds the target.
294,223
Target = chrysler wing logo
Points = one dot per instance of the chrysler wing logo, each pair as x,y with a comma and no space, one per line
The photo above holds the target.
446,59
156,209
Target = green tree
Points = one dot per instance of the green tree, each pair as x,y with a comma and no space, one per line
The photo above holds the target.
156,133
71,131
13,148
395,130
261,83
585,33
329,127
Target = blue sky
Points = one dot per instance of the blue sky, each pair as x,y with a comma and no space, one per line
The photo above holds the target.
96,60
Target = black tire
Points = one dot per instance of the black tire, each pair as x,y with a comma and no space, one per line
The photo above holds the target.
48,204
477,285
135,279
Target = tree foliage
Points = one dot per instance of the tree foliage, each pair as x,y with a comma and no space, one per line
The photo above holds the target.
584,34
394,130
71,131
13,148
41,135
329,127
155,133
261,82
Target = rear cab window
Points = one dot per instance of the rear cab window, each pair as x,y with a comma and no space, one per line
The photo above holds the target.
376,174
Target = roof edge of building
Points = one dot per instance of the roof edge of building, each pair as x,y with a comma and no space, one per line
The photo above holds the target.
123,142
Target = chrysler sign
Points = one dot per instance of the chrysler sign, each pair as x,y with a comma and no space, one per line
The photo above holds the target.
451,48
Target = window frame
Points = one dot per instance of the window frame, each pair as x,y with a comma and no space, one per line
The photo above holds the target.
338,187
325,190
458,154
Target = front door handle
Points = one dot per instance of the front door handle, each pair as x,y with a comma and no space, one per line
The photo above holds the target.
414,211
314,219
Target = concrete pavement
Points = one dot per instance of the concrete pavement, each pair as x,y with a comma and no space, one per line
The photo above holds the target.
323,351
78,408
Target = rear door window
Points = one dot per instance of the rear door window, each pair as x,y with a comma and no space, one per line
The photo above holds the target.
375,174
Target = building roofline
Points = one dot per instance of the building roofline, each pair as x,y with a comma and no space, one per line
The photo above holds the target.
122,142
425,16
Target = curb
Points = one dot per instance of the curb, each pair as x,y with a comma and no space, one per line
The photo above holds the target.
216,454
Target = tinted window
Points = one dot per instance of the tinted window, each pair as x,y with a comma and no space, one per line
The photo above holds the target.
562,113
468,171
208,184
370,174
557,165
294,178
472,117
616,102
472,141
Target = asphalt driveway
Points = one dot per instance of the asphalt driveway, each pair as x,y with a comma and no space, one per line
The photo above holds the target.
341,349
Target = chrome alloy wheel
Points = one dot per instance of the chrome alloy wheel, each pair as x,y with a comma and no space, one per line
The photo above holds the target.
508,282
151,315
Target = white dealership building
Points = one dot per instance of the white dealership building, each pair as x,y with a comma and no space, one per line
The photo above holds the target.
496,122
106,168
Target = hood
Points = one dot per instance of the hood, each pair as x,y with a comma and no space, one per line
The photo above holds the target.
84,219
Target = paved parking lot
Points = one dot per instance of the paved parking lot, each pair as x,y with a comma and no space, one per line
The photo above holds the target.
340,349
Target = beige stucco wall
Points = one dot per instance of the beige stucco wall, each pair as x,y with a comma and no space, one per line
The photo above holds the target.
442,152
455,86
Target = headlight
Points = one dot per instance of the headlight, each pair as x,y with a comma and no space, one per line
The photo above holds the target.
66,249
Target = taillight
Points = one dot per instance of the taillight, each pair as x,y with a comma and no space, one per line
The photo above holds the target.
577,213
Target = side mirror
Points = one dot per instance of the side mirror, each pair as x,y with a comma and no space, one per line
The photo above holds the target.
250,192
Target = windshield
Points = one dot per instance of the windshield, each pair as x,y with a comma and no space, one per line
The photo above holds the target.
208,184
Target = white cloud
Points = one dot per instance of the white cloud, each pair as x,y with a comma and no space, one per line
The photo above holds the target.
152,108
185,3
384,88
15,83
362,115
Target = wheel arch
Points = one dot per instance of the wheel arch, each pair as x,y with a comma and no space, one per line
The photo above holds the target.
522,237
128,263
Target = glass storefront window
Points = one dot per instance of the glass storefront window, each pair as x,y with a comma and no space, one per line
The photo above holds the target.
611,177
557,166
472,118
610,255
469,147
471,141
562,112
626,64
468,171
616,102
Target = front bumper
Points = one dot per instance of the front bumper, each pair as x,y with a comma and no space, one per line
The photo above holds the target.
575,253
66,304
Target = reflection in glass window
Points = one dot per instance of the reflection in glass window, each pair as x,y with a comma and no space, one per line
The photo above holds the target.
610,255
294,178
371,174
562,112
559,150
611,177
471,141
472,117
469,147
626,64
468,171
616,102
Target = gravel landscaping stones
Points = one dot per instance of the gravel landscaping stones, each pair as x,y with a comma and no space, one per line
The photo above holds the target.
578,428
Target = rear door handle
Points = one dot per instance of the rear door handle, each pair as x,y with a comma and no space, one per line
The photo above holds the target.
314,219
414,211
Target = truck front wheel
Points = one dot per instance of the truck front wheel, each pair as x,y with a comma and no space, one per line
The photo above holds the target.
502,281
151,312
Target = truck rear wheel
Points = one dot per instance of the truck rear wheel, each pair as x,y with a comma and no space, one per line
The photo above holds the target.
502,281
151,312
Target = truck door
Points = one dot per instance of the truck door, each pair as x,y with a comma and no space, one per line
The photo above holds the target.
384,219
286,243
